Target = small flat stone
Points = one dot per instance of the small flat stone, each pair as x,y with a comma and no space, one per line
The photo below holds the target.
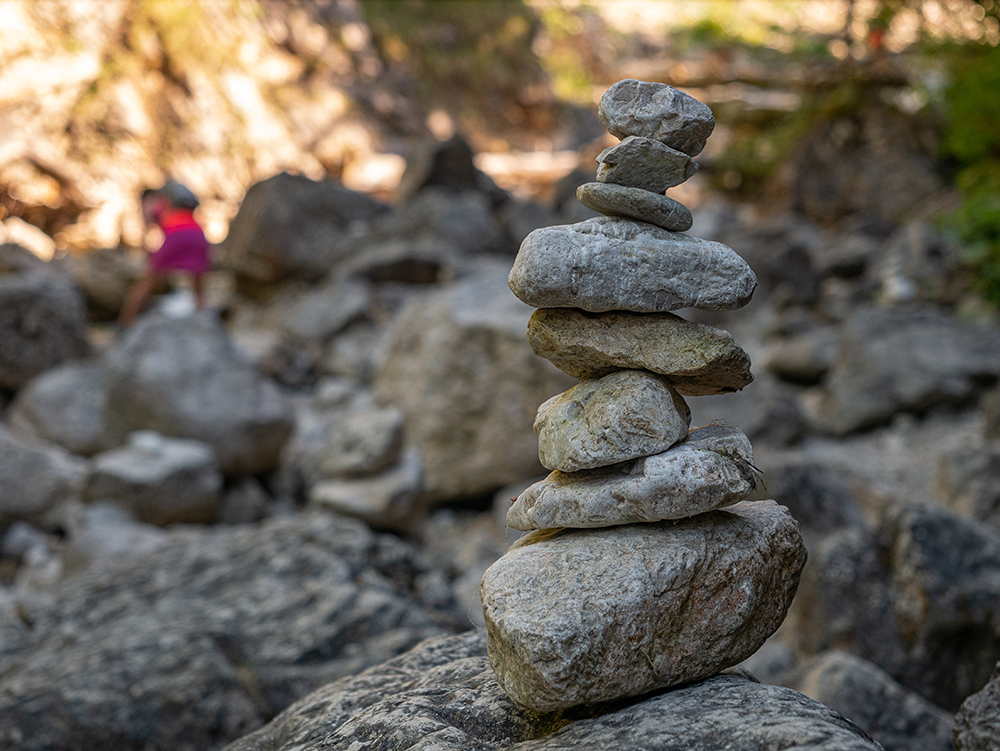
578,616
657,111
609,263
635,203
697,360
644,163
711,469
621,416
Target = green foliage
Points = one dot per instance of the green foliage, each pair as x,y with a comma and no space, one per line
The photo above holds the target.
972,139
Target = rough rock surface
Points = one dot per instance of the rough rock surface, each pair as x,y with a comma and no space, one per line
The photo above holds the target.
66,405
618,264
977,724
367,441
208,637
455,364
892,361
657,111
710,469
183,377
442,695
578,616
968,481
698,360
161,480
635,203
42,322
644,163
291,227
621,416
33,478
896,717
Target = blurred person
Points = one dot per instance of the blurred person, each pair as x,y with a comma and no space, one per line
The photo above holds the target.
184,248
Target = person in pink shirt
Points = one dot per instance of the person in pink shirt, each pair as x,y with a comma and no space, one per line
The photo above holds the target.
184,247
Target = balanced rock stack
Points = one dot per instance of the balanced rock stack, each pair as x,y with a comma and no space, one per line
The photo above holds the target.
635,578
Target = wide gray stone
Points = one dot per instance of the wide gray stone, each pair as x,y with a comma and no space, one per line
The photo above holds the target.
635,203
644,163
442,695
977,724
657,111
184,378
33,477
698,360
579,616
621,416
206,638
367,441
161,480
617,264
711,468
896,717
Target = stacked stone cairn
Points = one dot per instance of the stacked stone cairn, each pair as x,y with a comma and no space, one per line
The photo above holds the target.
647,566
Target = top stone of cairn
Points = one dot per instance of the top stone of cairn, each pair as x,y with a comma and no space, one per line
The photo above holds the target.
657,111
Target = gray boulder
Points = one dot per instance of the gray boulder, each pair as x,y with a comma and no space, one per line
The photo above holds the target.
618,264
711,468
579,616
621,416
977,724
896,717
205,639
442,695
697,360
291,227
635,203
43,322
968,481
317,314
183,377
895,361
66,405
366,442
34,478
161,480
657,111
644,163
457,366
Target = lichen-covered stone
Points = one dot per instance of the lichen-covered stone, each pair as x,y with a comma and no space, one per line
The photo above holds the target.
577,616
610,263
644,163
698,360
622,416
635,203
657,111
711,468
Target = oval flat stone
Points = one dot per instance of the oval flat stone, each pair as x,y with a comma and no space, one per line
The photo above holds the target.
644,163
588,615
698,360
635,203
657,111
712,468
621,416
616,264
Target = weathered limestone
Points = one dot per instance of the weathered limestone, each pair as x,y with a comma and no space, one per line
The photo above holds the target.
639,162
610,263
622,416
657,111
712,468
579,616
635,203
698,360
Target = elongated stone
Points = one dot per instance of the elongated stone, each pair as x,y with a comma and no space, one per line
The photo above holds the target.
698,360
638,162
657,111
576,616
635,203
609,263
622,416
711,469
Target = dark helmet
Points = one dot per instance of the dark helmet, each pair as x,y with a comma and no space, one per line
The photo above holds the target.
179,195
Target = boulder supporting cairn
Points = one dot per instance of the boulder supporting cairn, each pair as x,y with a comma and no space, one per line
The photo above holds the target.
646,566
